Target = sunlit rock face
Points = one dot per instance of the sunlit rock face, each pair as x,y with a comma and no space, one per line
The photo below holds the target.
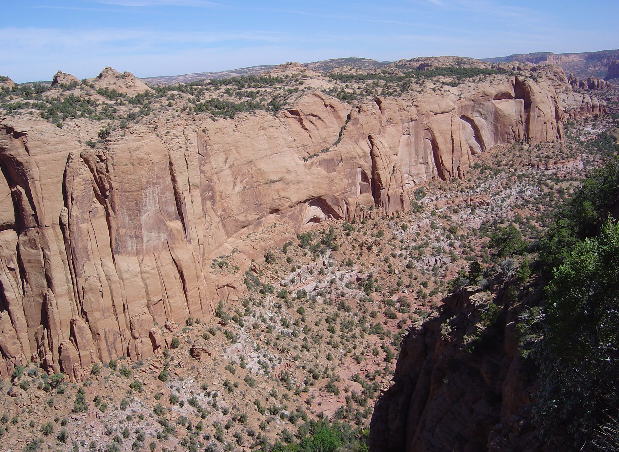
100,247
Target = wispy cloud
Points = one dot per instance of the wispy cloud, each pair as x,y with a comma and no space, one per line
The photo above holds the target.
146,3
74,8
349,18
487,8
66,39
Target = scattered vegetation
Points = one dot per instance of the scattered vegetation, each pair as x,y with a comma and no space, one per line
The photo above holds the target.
269,366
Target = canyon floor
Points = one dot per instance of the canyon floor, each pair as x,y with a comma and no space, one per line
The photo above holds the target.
316,331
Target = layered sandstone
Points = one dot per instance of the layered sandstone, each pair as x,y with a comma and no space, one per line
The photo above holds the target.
100,247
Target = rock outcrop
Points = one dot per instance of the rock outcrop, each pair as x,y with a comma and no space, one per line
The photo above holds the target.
6,83
99,247
64,79
590,83
125,82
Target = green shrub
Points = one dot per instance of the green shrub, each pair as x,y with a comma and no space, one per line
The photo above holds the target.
226,109
80,405
164,375
507,241
62,436
136,385
104,133
110,93
323,436
573,336
47,429
582,217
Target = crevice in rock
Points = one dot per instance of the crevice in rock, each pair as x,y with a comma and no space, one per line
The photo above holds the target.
376,183
296,115
503,96
379,103
16,181
181,275
476,132
522,91
438,161
178,198
63,222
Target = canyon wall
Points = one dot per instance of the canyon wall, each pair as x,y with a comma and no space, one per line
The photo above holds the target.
100,248
451,396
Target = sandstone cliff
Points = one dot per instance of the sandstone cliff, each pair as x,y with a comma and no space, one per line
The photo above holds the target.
613,71
100,247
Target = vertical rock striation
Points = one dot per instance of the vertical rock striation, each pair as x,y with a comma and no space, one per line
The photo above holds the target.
99,247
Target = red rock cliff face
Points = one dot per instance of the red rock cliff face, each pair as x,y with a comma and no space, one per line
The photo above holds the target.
100,247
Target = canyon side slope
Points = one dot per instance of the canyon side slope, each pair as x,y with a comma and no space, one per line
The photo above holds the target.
116,201
520,355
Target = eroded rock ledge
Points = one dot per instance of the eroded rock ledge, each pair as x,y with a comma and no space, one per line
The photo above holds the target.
98,248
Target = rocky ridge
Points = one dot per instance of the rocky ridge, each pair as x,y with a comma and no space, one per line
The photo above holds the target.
582,65
102,246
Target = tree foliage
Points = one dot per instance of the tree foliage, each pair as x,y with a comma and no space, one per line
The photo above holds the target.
323,436
578,355
507,241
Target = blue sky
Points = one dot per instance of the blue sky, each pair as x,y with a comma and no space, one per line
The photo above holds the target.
167,37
